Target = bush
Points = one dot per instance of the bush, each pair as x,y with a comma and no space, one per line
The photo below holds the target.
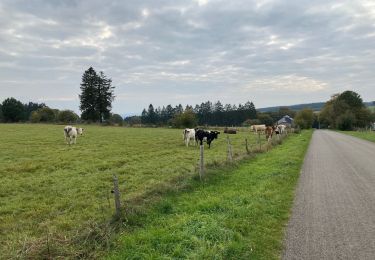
13,110
67,116
186,119
116,119
304,118
346,121
44,114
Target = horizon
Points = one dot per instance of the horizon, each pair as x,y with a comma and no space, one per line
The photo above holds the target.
273,53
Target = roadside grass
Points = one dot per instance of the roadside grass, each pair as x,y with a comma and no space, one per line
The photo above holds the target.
366,135
238,212
55,199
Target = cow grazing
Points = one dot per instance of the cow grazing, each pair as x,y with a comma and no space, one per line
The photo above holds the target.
258,128
188,134
200,135
282,129
71,133
230,131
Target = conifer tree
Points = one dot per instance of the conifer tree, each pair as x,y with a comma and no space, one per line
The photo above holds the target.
96,96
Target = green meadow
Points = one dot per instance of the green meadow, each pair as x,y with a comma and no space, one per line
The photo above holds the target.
56,199
239,212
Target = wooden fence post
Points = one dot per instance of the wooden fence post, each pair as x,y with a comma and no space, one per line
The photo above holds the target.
247,147
116,191
201,162
230,155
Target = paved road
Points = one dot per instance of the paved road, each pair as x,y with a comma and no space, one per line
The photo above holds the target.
333,215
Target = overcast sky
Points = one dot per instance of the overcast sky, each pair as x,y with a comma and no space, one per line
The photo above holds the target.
170,52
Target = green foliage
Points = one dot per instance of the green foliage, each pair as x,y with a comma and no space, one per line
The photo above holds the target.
67,116
1,114
346,121
44,115
206,114
345,111
116,119
266,119
12,110
96,96
186,119
304,118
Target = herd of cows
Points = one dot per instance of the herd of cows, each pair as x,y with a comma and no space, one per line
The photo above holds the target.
199,135
195,134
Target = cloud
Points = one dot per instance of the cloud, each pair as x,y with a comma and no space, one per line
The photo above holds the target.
164,51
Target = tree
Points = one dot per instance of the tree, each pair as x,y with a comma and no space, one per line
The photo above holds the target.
96,96
44,114
105,97
30,107
304,118
67,116
13,110
151,115
116,119
187,119
345,111
1,114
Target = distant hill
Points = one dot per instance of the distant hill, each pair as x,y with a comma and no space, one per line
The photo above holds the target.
314,106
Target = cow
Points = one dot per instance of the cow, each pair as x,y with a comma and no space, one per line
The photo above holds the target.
188,134
282,128
200,135
256,128
269,132
71,133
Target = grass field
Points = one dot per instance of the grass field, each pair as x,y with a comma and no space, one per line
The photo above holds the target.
367,135
238,213
55,199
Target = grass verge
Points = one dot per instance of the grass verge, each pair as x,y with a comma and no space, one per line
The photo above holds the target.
238,212
366,135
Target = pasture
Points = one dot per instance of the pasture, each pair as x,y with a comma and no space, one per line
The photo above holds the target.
238,213
55,197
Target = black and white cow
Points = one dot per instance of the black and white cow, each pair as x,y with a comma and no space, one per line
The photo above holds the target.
200,135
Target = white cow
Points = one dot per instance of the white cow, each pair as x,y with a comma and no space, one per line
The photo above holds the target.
71,133
256,128
282,129
189,134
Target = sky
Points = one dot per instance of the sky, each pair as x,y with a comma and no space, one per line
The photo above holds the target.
271,52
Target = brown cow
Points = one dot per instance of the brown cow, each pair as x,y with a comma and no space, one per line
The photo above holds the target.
269,132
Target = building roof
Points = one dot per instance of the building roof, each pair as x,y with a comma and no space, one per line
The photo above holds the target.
286,120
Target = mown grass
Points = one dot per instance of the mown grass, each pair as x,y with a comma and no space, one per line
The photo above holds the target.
366,135
55,199
236,213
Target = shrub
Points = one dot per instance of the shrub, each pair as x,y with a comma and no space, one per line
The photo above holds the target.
67,116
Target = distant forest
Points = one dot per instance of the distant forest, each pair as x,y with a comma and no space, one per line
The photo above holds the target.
208,113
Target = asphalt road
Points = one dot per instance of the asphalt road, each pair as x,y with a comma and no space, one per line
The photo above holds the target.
333,214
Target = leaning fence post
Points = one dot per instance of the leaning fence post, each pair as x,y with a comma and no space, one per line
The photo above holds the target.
116,191
230,155
247,147
201,162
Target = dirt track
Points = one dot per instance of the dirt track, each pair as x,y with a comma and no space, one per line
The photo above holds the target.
334,209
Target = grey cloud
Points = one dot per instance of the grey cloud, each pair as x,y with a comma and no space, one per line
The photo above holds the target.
184,52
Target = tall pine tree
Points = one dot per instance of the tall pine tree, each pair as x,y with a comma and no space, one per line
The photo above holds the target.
96,96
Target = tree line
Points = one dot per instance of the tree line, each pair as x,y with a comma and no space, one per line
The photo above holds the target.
206,113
